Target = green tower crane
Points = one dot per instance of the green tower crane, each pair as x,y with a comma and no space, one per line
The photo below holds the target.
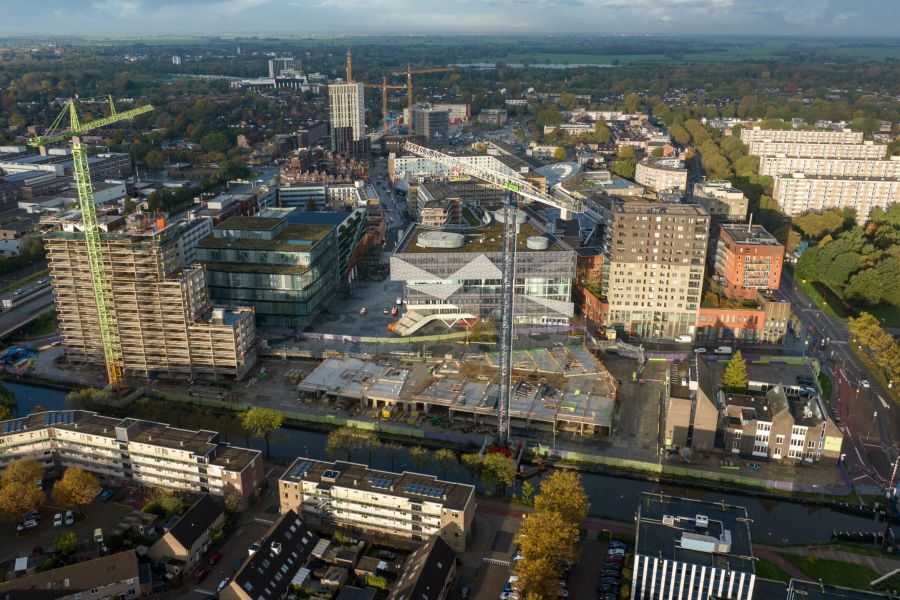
108,329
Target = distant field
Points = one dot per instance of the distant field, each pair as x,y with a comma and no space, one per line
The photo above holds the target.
736,53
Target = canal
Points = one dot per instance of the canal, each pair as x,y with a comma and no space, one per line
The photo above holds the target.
613,497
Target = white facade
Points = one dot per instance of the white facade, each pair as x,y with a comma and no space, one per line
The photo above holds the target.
663,579
866,151
660,174
798,194
124,450
415,167
784,165
192,232
346,107
829,136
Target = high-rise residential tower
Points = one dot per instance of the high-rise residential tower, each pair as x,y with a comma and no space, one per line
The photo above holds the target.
347,116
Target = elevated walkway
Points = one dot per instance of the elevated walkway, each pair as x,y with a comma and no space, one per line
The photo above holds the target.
414,320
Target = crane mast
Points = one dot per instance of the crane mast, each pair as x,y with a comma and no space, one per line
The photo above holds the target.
108,330
515,186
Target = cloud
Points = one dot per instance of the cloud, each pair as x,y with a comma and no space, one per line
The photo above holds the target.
138,9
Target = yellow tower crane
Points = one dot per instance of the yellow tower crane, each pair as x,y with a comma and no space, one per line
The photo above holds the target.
108,329
384,87
409,87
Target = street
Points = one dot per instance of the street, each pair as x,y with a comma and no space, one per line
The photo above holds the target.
871,426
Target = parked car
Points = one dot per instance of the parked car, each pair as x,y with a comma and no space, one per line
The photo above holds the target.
865,383
214,558
222,584
201,573
684,339
57,520
105,495
618,544
464,593
723,350
26,524
70,517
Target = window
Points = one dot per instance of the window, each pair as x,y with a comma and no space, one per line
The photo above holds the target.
779,439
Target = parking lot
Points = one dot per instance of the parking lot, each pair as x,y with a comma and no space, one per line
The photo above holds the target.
109,516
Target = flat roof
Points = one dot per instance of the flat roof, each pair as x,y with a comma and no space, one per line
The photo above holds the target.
668,527
642,206
417,487
808,590
750,235
486,239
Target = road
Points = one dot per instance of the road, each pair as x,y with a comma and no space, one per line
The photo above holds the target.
41,302
871,425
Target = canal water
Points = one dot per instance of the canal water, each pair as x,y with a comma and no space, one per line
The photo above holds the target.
613,497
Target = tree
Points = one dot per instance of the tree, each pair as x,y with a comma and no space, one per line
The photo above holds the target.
602,132
626,152
165,502
66,543
547,535
214,142
129,206
559,153
562,492
538,577
444,458
527,491
625,167
76,488
22,471
567,100
419,457
349,440
261,422
679,134
735,377
18,498
155,160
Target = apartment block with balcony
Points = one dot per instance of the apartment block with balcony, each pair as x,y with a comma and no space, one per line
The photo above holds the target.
809,136
660,174
404,505
786,165
799,193
133,452
438,204
722,201
748,259
866,151
654,275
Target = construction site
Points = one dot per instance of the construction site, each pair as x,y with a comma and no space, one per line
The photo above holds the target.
560,389
165,325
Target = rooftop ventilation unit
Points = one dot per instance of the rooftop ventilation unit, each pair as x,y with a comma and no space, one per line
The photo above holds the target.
702,521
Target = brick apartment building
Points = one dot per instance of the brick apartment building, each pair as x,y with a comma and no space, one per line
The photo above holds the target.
748,259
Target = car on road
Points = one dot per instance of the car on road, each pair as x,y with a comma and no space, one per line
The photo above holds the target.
222,584
201,573
700,350
865,383
58,520
723,350
70,517
509,596
684,339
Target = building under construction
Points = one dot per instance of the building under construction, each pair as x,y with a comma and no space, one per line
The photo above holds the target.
164,324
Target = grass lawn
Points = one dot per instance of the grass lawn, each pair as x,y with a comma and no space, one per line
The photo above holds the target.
769,570
888,312
45,324
832,572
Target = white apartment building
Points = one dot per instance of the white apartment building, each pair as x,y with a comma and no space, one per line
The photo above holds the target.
786,165
721,200
132,451
346,106
405,505
661,174
799,193
415,167
192,231
821,136
866,151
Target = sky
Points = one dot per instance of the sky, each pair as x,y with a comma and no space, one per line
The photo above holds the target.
869,18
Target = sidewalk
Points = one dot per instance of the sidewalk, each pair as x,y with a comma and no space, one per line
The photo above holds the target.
880,564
